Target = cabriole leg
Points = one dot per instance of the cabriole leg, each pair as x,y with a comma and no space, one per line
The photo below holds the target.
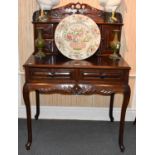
111,107
37,105
28,112
123,112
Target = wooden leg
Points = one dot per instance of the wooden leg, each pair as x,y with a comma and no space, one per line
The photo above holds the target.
111,107
123,112
37,105
28,112
134,123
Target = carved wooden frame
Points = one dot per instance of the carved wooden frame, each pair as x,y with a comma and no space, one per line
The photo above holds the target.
78,89
56,15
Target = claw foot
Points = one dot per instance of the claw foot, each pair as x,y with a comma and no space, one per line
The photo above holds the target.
28,146
122,147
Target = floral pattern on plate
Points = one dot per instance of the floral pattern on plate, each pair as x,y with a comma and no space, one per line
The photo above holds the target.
77,37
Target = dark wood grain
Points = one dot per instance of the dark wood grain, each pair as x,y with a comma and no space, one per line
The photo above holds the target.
57,61
37,105
56,15
57,74
111,107
126,98
26,97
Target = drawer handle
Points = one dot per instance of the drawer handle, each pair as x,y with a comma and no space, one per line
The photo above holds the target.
103,76
51,74
58,74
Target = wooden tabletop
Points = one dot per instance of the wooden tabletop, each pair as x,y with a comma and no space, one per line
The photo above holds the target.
59,61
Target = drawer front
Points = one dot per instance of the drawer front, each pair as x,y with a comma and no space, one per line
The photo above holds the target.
51,74
106,75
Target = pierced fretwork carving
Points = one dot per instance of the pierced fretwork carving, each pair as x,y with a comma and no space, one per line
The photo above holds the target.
72,8
57,14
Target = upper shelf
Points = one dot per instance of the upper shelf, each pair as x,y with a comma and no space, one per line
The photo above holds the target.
57,14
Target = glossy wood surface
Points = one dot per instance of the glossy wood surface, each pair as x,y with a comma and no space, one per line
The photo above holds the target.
128,47
56,15
57,61
95,75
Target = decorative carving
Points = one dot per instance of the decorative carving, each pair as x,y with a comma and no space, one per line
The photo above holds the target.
47,90
57,14
77,8
81,89
106,92
75,89
72,8
68,89
73,85
69,9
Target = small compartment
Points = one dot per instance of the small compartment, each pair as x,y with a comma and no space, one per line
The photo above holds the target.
51,74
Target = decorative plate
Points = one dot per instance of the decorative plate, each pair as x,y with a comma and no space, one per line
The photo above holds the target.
77,37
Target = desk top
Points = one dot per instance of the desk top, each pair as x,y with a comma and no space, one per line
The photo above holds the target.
59,61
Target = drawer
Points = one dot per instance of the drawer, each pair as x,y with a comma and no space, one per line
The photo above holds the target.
51,74
48,30
107,75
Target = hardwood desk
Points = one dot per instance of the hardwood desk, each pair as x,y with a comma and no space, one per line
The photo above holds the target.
57,74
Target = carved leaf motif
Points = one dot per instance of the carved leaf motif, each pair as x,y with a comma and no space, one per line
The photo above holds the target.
106,92
77,89
47,90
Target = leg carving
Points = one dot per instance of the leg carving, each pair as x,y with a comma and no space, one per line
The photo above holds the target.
123,112
111,107
37,105
28,112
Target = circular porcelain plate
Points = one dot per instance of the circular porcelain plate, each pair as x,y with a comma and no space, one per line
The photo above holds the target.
77,37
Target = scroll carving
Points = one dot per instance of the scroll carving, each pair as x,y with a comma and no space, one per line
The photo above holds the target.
57,14
69,9
78,8
77,89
